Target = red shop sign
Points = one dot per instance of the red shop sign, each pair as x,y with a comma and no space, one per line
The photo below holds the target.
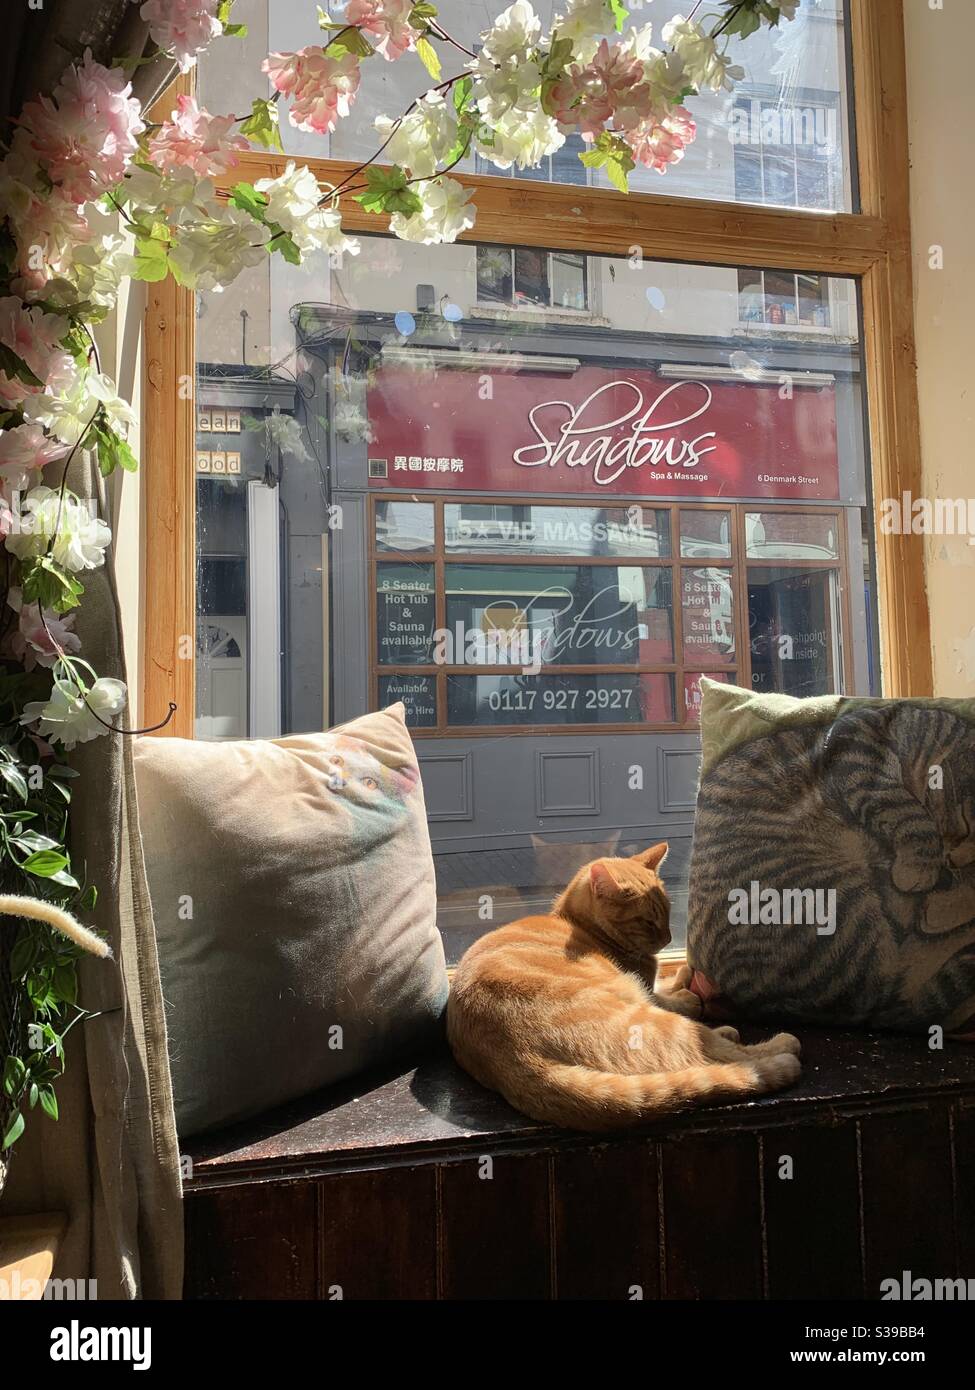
598,432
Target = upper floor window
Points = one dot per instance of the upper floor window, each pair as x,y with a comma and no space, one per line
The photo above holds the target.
783,297
787,153
529,278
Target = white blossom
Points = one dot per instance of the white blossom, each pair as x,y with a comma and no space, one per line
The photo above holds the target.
521,137
424,137
447,211
293,202
80,538
74,714
286,433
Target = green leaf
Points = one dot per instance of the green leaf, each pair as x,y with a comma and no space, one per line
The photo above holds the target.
429,58
16,368
49,1102
613,154
23,955
150,262
284,243
421,12
113,451
14,1076
246,197
45,863
14,1130
44,581
261,125
389,191
620,13
235,31
462,93
65,984
350,40
15,778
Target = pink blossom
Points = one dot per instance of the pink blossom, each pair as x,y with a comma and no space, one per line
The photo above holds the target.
388,20
182,27
87,133
23,449
39,641
195,140
35,337
323,88
46,226
658,144
587,98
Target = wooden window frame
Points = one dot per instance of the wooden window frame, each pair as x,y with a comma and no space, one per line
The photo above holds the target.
873,245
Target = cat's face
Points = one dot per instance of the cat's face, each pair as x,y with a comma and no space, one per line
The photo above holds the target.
353,772
627,900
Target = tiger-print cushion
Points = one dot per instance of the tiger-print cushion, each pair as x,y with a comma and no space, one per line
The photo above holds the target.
833,869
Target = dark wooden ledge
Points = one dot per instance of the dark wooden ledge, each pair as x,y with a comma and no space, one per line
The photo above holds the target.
435,1110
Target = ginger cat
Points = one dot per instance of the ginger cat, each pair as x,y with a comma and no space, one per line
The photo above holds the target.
560,1013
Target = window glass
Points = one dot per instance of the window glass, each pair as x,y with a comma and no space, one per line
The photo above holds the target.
705,535
792,535
569,699
795,630
707,602
525,527
781,137
503,529
404,526
583,615
405,615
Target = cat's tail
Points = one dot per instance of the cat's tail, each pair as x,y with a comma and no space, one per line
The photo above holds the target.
11,905
577,1097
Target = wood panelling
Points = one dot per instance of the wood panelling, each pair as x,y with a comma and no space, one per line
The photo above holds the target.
253,1242
808,1256
712,1210
605,1222
380,1189
963,1154
908,1216
494,1227
379,1234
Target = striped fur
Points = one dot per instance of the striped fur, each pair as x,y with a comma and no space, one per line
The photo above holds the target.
560,1013
848,806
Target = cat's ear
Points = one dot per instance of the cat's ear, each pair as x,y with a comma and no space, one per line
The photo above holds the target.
652,858
601,881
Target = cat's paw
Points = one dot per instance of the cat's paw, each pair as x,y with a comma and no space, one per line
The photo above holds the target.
784,1042
680,979
773,1073
686,1002
725,1031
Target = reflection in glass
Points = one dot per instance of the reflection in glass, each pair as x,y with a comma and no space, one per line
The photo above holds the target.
795,630
705,535
554,615
707,614
502,529
792,535
404,526
560,699
419,695
781,136
405,615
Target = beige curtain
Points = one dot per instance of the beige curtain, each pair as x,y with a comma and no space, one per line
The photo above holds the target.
111,1162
